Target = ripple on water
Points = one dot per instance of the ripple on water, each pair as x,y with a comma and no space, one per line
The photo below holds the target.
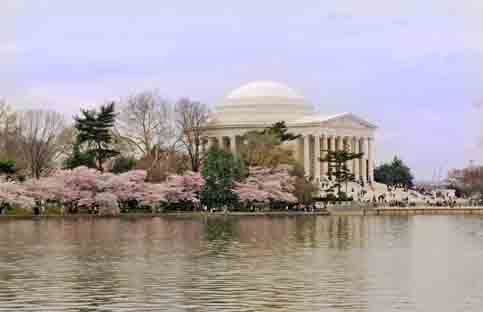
243,264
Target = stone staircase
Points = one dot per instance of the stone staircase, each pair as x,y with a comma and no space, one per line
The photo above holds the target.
379,192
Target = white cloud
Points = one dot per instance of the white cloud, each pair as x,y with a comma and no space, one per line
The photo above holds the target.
8,48
385,60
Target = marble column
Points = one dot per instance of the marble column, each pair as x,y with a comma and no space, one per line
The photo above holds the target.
317,157
348,148
356,161
324,154
370,157
340,143
363,160
209,143
332,143
299,150
307,155
203,147
332,149
233,145
221,143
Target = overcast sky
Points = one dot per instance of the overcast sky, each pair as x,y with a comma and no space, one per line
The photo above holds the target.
415,68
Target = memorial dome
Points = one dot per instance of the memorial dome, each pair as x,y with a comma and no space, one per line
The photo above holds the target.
261,102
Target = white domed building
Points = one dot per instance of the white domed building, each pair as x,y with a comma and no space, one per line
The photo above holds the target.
260,104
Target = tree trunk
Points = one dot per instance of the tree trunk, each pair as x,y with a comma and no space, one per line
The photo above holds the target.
99,158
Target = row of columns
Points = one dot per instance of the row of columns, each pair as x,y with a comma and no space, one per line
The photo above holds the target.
310,148
313,147
224,142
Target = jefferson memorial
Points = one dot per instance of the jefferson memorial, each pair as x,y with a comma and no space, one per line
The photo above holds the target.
260,104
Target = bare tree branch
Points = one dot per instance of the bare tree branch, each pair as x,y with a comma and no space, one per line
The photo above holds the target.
40,132
8,132
146,121
191,119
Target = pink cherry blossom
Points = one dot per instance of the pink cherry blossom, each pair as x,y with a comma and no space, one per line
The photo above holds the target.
267,184
84,187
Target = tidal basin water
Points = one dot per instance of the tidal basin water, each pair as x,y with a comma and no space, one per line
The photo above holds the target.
303,263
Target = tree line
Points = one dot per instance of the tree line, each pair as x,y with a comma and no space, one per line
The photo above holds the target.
140,130
146,132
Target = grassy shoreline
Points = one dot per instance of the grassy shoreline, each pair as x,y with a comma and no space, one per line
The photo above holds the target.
165,214
386,211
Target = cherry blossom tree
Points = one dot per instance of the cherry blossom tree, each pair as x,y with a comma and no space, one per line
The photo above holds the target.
107,193
267,185
184,188
107,204
13,194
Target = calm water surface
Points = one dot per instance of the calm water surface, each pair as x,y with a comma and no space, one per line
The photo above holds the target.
419,263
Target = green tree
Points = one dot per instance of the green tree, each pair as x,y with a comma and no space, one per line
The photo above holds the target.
8,168
95,130
221,170
80,158
123,164
337,167
280,131
395,172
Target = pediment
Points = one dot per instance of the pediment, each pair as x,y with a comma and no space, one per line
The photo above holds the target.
348,121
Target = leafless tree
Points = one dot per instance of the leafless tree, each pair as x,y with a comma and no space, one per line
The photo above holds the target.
8,132
191,119
40,132
4,109
66,142
146,121
469,180
162,163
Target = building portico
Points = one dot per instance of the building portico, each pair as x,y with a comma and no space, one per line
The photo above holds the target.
314,146
260,104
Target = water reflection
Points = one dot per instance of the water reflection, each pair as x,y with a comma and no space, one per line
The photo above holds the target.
227,263
220,229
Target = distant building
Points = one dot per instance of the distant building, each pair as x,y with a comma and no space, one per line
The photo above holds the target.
260,104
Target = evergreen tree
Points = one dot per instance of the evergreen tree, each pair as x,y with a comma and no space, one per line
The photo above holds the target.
280,131
94,129
8,168
394,173
80,158
337,167
123,164
221,170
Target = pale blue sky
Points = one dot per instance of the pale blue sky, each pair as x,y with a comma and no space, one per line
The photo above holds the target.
415,68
